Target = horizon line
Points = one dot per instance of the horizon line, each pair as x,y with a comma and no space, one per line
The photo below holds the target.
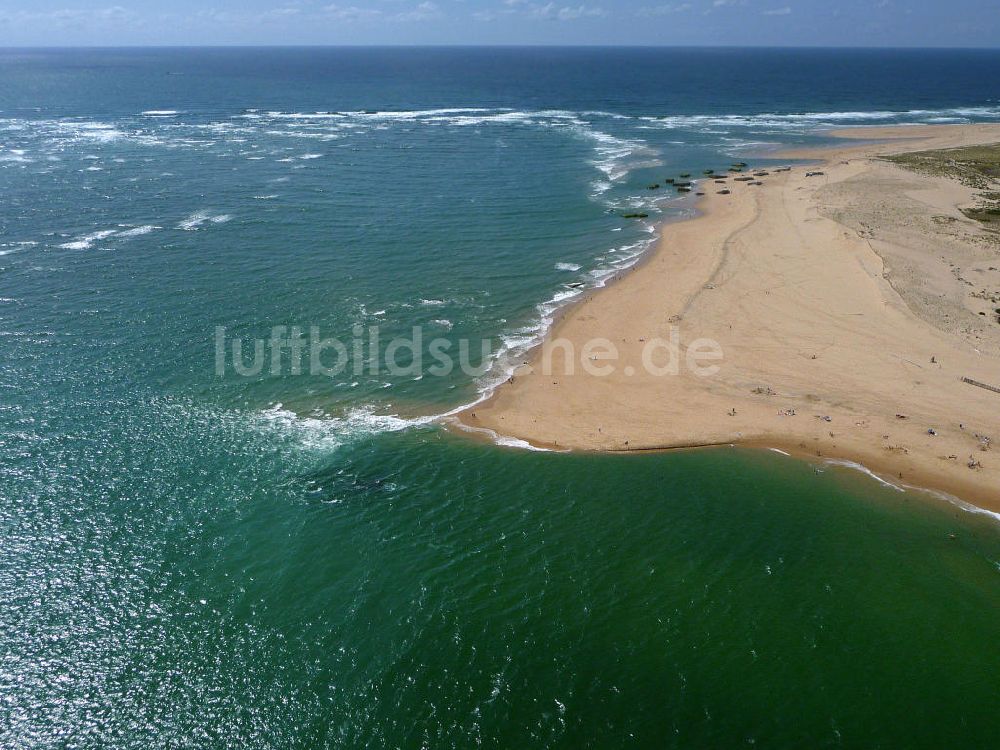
224,45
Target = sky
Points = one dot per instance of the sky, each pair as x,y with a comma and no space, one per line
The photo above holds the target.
870,23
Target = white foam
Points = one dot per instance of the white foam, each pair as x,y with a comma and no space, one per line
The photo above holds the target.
138,231
446,324
15,246
194,221
615,156
514,344
512,442
814,120
567,267
322,433
160,112
735,147
626,257
415,114
431,302
92,131
199,218
967,507
15,155
86,241
498,439
864,470
343,118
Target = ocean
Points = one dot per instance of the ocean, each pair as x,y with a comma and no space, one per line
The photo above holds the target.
194,557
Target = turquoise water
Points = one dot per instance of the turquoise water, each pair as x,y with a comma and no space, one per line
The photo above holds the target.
290,560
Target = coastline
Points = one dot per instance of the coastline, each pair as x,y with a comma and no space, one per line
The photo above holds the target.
827,322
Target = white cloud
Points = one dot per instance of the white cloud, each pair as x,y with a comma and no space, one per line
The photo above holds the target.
351,12
664,10
66,17
551,11
722,4
422,12
778,11
548,12
581,11
277,14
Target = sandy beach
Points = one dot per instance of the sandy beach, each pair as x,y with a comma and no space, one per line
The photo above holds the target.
848,307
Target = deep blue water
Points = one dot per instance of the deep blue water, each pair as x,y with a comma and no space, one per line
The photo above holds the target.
292,559
633,81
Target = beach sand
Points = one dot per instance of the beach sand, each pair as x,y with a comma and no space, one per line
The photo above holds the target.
846,306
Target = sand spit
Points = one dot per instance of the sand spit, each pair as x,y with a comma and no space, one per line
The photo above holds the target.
847,306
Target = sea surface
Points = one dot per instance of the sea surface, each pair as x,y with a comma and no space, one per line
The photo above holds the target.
191,557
